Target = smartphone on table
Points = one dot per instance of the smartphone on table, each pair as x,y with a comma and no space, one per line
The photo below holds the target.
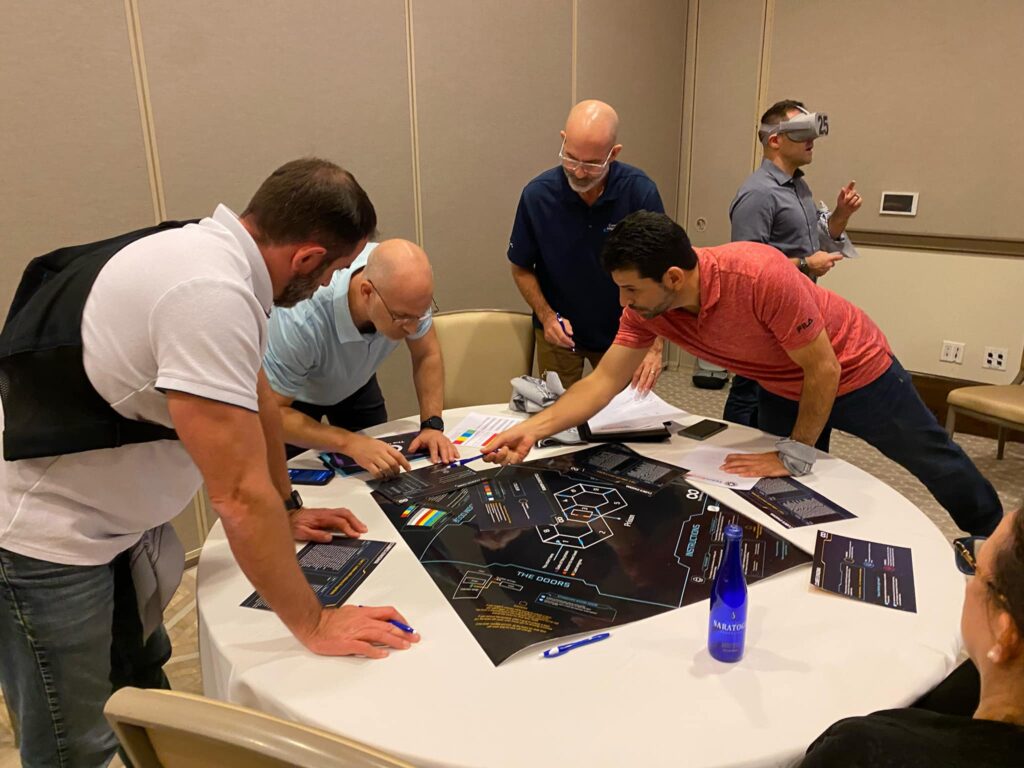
310,476
703,429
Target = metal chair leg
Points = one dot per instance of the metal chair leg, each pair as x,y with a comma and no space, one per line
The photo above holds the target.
950,420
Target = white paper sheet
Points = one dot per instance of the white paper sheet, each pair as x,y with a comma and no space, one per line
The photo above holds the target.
476,429
628,411
704,461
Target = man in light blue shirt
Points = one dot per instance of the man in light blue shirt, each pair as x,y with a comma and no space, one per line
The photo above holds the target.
322,357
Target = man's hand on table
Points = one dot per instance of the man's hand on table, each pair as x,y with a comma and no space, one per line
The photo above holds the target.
755,465
437,444
376,457
511,446
318,524
358,631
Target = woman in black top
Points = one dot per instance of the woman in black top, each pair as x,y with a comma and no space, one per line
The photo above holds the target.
993,629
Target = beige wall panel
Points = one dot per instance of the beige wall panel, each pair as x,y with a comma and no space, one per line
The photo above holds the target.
493,85
72,154
920,298
238,89
725,97
920,96
632,55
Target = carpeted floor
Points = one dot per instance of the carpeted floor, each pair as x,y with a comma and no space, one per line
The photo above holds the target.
675,387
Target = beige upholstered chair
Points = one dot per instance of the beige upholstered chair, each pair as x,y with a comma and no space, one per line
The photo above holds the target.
1002,405
483,350
166,729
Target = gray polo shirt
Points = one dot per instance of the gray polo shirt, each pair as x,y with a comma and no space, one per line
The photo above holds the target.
775,208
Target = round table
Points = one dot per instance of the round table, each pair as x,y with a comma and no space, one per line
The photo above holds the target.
651,695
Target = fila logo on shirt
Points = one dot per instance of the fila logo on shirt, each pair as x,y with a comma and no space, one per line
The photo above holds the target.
805,325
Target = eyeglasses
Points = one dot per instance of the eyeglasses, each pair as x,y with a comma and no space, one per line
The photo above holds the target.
399,319
965,553
572,164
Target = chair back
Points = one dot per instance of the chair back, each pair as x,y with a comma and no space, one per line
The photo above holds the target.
167,729
483,350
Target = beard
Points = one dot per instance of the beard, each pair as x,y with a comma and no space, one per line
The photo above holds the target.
579,186
301,287
657,309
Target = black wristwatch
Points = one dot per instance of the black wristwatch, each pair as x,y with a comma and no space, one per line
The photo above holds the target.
801,264
293,502
434,422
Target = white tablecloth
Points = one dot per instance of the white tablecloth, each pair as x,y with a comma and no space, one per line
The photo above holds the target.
651,695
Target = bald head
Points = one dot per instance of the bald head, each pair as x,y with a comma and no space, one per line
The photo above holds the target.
401,269
592,122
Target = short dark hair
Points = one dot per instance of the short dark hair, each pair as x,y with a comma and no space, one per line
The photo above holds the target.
779,111
1008,572
312,200
650,243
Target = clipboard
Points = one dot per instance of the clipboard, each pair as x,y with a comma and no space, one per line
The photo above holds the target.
648,435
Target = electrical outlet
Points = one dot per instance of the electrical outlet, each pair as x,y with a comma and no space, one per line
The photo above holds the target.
995,358
952,352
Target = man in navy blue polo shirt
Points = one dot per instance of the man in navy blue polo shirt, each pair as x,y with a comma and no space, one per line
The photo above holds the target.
563,218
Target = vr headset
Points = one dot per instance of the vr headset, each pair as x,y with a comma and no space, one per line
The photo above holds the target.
804,127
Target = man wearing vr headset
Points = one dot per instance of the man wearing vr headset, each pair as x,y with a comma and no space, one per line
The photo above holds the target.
775,206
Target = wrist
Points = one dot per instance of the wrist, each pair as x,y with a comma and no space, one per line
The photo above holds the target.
432,422
293,502
797,457
305,625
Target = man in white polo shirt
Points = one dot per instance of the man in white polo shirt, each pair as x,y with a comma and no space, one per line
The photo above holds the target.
171,334
322,357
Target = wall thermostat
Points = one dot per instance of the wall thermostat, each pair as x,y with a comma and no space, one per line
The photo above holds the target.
899,204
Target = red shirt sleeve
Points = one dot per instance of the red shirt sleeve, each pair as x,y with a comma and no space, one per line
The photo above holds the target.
633,331
785,303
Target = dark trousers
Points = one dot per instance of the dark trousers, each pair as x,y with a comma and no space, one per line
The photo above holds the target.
363,408
888,414
741,405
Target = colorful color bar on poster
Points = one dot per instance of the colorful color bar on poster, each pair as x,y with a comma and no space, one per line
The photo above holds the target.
422,517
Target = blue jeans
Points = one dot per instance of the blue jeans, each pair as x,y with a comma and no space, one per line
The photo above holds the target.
71,636
888,414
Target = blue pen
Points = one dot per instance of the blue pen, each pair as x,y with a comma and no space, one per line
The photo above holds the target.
558,317
551,653
462,462
401,626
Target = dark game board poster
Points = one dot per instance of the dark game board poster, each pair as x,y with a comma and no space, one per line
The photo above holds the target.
427,481
875,573
792,503
334,569
608,556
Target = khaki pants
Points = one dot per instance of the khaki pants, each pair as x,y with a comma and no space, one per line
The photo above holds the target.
566,363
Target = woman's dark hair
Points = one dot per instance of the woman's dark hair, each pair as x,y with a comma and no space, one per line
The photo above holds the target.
312,200
1008,572
649,243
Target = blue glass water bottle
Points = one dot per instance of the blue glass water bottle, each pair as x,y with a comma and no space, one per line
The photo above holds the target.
727,628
